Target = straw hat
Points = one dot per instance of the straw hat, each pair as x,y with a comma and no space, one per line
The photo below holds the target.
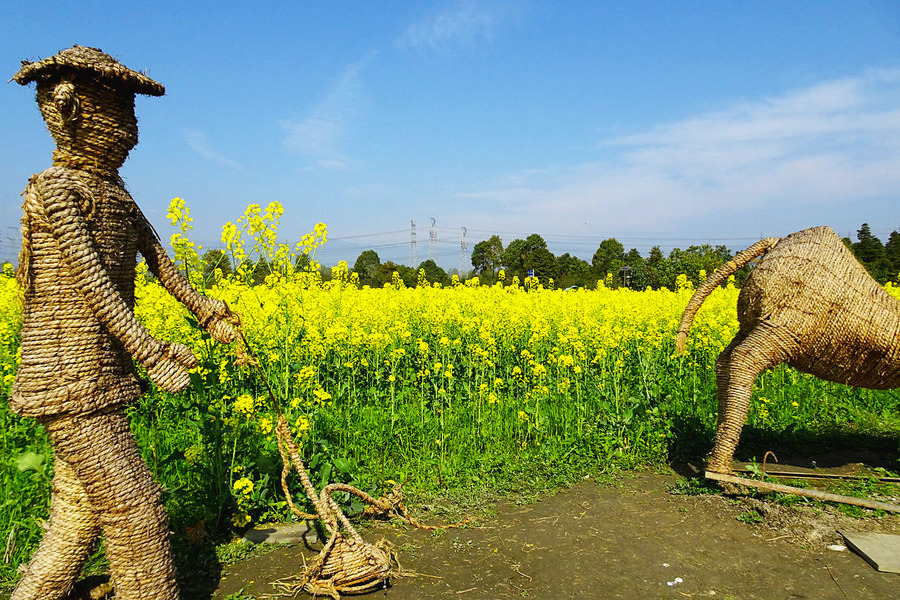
93,60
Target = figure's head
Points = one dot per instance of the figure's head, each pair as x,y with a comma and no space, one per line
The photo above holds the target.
87,100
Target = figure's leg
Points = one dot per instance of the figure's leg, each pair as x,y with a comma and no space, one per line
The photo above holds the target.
102,451
66,545
737,368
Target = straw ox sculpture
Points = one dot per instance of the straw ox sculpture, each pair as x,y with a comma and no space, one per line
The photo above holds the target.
81,232
808,303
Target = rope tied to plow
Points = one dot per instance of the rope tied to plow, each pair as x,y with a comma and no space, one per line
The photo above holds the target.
347,564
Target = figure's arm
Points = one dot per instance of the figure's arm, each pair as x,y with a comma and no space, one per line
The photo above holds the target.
212,314
165,362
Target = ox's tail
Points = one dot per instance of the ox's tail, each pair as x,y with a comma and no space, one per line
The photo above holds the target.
721,274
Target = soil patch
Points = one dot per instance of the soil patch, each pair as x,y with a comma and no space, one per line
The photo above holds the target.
630,539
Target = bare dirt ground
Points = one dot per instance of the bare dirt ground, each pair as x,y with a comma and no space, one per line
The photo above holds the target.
629,539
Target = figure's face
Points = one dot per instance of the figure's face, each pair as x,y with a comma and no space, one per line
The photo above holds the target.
97,127
114,109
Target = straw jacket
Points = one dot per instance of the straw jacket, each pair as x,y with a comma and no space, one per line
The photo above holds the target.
81,235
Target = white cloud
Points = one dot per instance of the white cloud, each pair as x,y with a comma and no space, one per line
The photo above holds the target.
199,143
834,143
466,23
320,134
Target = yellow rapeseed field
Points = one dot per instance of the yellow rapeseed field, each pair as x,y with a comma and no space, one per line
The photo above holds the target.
438,385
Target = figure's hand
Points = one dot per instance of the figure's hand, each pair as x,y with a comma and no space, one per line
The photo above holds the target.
222,322
169,372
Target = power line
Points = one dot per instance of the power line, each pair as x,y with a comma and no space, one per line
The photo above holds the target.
326,248
413,253
442,238
433,241
463,249
362,235
568,237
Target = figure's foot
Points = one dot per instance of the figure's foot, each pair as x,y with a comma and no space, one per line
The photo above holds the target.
728,488
719,466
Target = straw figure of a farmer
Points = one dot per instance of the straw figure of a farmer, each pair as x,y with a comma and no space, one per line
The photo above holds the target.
81,233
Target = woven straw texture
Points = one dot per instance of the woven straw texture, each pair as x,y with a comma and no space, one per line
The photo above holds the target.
808,303
81,232
346,564
96,490
90,63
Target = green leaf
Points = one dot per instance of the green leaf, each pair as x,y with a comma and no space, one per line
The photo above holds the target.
30,461
342,465
356,507
266,464
324,475
176,455
197,381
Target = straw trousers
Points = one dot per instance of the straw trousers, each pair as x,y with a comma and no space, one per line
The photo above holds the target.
101,485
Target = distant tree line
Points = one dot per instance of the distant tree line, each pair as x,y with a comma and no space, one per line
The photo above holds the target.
609,263
372,272
616,267
882,261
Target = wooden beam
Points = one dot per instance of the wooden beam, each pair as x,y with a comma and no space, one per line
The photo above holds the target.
819,495
809,475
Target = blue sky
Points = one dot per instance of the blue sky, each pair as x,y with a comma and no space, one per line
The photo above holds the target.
667,123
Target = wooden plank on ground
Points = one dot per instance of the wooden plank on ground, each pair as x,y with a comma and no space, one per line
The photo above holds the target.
881,550
816,475
819,495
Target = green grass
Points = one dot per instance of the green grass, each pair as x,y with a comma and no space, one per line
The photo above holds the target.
651,410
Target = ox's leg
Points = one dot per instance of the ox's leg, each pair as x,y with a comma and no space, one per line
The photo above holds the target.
738,366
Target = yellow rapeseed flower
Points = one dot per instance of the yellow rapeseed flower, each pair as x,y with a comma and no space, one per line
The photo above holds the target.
243,486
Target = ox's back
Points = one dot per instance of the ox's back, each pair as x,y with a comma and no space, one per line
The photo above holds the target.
820,300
